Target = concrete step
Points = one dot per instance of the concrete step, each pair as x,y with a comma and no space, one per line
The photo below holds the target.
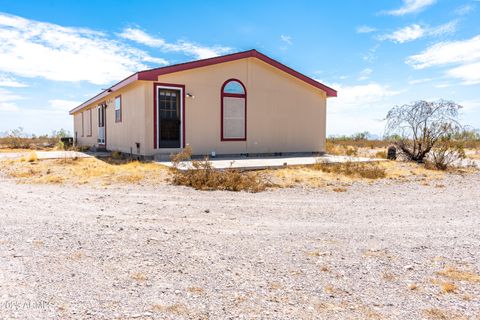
162,157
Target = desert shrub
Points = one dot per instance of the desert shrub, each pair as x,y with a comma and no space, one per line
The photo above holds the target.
60,145
203,176
18,139
445,153
367,170
341,149
421,126
117,155
32,157
381,155
351,151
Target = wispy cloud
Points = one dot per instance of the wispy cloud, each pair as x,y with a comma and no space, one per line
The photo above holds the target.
286,39
365,29
362,95
7,101
411,6
370,56
365,74
447,52
416,31
30,49
465,9
63,105
7,81
465,54
405,34
185,47
468,73
418,81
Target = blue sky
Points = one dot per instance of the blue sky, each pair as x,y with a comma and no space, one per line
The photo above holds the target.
57,54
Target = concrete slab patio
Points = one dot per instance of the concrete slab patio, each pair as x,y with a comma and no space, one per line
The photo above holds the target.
272,162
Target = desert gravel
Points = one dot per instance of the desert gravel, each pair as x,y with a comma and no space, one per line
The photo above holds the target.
167,252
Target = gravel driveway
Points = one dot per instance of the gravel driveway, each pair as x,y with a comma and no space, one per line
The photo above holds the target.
143,252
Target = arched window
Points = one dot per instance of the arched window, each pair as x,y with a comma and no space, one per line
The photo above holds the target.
234,111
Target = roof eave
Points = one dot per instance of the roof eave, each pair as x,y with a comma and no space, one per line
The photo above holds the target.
106,92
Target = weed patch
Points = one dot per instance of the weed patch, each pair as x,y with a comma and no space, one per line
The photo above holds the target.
367,170
203,176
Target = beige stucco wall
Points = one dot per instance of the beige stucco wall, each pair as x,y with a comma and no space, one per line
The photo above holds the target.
83,139
120,136
284,114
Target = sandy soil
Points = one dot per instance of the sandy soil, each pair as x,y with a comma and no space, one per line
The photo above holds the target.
386,250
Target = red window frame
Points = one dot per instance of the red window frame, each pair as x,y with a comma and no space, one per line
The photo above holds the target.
224,94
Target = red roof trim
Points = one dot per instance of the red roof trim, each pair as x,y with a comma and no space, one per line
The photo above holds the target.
152,74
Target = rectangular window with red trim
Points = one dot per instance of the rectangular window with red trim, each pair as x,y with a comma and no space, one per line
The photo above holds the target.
118,109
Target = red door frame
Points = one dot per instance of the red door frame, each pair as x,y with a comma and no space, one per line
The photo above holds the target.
155,107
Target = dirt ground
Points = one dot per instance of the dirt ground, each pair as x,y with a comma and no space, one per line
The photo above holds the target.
381,250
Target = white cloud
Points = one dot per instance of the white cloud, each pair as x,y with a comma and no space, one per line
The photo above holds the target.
8,107
63,105
465,9
362,95
418,81
365,29
286,39
449,27
416,31
411,6
6,95
405,34
7,81
200,52
30,48
447,52
470,105
7,99
365,74
464,54
370,56
468,73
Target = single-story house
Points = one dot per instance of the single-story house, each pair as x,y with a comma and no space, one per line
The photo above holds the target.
237,104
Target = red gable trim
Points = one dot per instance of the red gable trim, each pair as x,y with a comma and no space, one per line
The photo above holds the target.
152,74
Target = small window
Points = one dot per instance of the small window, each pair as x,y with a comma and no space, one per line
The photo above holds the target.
83,125
234,111
234,87
118,109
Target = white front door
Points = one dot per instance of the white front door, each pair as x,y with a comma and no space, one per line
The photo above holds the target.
101,124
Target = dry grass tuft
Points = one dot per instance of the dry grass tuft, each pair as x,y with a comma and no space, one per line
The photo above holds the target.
367,170
438,314
32,157
413,286
177,308
195,290
448,287
85,170
381,155
139,277
389,276
339,189
460,275
203,176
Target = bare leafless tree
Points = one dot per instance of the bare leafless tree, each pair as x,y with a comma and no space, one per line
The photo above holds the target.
421,125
